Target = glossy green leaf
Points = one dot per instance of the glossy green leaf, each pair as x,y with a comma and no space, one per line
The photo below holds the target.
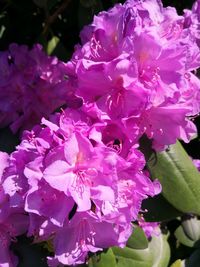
104,259
130,257
179,178
138,239
157,254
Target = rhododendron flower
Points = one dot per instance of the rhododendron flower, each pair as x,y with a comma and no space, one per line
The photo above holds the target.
85,232
192,21
150,228
197,163
134,66
30,79
73,184
13,221
78,180
13,226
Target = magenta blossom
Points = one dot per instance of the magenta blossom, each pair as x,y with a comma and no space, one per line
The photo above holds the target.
73,182
13,221
150,228
31,79
197,163
134,66
192,21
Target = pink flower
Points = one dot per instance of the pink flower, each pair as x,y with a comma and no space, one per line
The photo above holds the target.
30,79
149,228
197,163
143,75
13,221
85,232
72,182
14,225
192,21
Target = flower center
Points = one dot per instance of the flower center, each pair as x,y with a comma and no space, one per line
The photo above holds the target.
115,144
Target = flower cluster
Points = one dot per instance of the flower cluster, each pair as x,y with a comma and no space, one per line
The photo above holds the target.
75,187
135,66
79,176
29,82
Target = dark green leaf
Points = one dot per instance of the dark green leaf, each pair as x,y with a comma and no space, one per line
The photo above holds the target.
179,178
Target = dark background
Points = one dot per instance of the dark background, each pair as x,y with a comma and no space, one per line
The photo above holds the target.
22,21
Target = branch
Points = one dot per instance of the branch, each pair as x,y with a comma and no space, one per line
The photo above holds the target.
50,20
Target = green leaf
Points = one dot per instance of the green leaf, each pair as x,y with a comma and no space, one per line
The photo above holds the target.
52,44
126,262
104,259
157,254
138,239
182,237
179,178
129,257
159,209
55,47
2,29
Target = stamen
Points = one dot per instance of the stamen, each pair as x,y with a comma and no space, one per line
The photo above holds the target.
115,144
187,76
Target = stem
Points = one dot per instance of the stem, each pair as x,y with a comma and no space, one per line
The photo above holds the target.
50,20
